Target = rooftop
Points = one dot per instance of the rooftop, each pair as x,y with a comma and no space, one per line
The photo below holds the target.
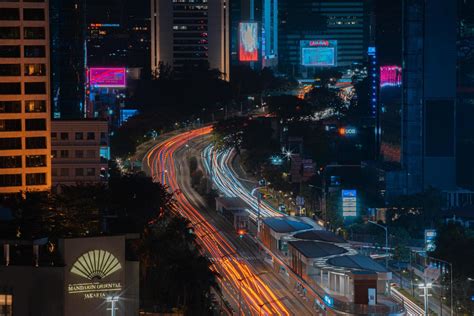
357,262
321,235
286,224
311,249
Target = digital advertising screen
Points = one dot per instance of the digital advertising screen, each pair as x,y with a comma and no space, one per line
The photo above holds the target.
349,203
318,53
248,44
107,77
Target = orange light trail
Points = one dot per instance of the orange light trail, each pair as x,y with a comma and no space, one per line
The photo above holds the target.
255,294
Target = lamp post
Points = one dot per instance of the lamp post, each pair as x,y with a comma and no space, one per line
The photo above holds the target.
112,300
386,241
425,287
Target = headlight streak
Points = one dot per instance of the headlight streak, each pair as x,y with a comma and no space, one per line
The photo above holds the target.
223,255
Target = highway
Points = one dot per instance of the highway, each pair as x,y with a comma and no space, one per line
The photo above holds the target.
245,279
227,181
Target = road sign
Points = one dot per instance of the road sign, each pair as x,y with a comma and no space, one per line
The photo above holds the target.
300,200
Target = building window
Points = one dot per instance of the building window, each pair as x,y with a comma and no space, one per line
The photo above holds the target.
36,161
79,172
35,178
90,153
33,14
64,136
35,51
54,135
9,70
54,172
64,172
35,70
35,106
64,153
34,33
9,14
79,136
35,142
35,124
10,143
10,162
79,154
103,138
10,87
10,180
35,88
10,125
90,135
9,51
9,32
90,172
10,107
54,153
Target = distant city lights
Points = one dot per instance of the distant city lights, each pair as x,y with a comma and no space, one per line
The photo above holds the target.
390,76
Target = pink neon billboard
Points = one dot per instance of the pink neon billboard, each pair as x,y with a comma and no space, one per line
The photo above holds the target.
390,76
107,77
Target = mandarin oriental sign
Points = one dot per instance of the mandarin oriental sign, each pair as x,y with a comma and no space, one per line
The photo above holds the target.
95,266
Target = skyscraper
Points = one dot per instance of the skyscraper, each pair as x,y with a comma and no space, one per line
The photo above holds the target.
68,57
265,14
429,94
190,34
465,95
25,160
344,21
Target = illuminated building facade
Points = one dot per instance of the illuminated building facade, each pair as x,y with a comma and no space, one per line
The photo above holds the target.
80,152
25,161
73,276
265,14
345,21
190,35
390,76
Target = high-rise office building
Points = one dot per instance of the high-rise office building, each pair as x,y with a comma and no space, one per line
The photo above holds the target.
25,160
429,94
190,34
465,95
345,22
68,57
265,14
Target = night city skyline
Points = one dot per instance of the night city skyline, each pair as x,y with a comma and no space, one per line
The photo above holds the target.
236,157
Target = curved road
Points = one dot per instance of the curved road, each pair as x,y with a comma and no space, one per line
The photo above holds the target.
238,280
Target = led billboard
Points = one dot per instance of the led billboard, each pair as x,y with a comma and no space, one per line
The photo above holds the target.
248,44
107,77
349,203
319,53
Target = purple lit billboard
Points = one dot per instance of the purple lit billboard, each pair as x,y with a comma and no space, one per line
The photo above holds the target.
107,77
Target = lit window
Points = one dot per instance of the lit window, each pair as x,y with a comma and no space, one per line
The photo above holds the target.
6,304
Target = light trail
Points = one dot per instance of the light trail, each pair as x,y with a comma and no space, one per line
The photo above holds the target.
255,293
218,165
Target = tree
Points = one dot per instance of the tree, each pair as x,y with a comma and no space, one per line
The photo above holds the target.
173,273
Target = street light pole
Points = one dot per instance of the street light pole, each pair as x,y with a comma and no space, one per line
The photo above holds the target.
112,300
425,287
386,241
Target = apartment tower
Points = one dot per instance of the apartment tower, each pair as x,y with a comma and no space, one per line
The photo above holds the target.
25,160
190,34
